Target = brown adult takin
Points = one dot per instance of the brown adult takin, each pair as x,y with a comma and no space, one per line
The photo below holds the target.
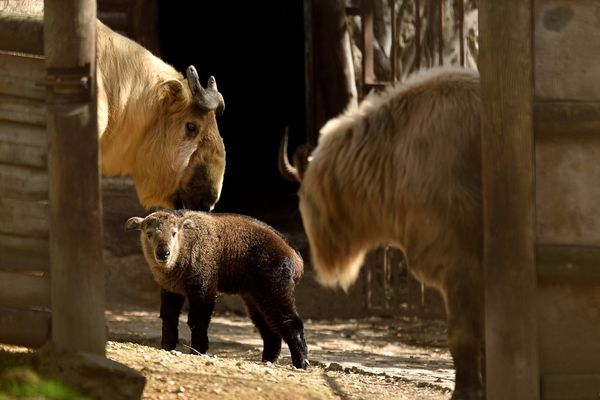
197,255
158,126
403,169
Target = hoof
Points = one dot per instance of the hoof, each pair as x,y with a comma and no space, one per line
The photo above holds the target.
476,394
303,364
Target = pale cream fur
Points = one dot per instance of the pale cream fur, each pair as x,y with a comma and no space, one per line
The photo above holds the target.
403,169
143,106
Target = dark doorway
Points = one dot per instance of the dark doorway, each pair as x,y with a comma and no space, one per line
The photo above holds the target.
255,50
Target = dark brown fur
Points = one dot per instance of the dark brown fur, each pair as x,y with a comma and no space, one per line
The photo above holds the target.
197,255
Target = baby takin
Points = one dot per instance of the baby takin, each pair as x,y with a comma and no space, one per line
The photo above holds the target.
195,255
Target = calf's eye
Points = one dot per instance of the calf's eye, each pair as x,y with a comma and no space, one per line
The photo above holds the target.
191,129
174,233
149,234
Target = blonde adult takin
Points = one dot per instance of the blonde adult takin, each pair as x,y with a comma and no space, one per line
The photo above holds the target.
197,255
158,126
404,169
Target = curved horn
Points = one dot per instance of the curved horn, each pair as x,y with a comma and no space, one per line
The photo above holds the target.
293,173
208,99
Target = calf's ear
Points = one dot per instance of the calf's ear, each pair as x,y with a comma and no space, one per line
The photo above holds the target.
134,223
189,224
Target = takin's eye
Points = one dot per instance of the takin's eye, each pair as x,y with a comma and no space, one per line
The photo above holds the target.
191,129
149,234
174,233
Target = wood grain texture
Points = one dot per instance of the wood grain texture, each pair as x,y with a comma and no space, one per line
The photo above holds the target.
570,386
23,144
566,118
23,183
569,323
567,190
567,49
22,110
24,291
29,328
22,253
24,218
21,33
22,76
508,199
75,210
577,265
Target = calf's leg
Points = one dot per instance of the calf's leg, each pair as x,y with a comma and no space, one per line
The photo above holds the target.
283,319
199,314
170,308
271,340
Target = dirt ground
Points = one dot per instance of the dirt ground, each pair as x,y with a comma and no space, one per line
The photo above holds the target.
350,359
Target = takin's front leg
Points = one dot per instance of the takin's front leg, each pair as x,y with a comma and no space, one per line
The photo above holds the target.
170,308
199,314
464,305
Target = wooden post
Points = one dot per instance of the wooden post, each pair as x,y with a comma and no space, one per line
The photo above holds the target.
508,199
75,211
335,87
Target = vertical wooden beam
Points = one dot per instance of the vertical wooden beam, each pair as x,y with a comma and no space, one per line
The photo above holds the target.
394,45
417,63
441,32
366,17
508,199
74,176
312,135
461,31
335,86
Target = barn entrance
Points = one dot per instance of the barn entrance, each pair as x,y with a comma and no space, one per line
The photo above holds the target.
255,51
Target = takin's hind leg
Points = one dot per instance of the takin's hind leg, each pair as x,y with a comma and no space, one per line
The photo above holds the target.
170,309
282,317
271,340
465,337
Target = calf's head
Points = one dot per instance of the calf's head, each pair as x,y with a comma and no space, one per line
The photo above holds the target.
180,162
160,237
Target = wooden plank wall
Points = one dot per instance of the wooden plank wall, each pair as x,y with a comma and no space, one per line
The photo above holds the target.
24,247
567,130
506,65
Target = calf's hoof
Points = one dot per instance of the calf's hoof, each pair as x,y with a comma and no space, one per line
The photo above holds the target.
301,364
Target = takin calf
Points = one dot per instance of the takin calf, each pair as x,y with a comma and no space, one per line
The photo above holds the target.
196,255
404,169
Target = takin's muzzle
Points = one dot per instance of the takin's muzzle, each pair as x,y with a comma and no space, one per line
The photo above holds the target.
196,193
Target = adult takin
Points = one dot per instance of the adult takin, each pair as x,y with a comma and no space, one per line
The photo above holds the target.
196,255
404,169
158,126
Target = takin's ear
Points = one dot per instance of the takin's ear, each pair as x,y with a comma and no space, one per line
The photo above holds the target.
171,90
134,223
188,224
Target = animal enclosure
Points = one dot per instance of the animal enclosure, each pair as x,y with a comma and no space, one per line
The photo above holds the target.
540,124
51,273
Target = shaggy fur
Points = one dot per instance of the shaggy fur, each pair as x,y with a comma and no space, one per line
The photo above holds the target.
403,168
197,255
143,107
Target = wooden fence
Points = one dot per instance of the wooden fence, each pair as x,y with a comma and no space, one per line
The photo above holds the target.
51,283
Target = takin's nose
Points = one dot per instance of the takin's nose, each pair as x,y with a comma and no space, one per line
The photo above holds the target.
162,253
